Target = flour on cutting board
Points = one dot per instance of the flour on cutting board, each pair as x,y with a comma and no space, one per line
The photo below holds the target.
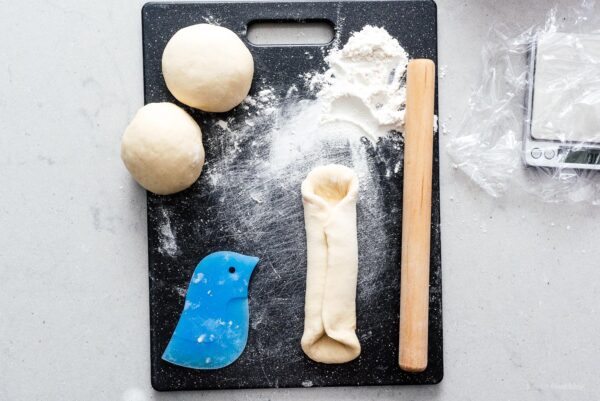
166,240
364,84
353,115
358,101
360,95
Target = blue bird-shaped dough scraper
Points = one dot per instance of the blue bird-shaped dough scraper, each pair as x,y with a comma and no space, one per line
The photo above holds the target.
213,328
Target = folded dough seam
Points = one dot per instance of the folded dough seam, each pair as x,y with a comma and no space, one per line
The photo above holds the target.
329,196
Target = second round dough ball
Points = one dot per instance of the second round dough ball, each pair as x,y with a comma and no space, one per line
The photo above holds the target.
162,148
208,67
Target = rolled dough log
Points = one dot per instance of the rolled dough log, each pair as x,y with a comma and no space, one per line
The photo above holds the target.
329,196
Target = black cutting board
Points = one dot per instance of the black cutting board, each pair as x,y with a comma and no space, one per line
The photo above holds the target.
218,215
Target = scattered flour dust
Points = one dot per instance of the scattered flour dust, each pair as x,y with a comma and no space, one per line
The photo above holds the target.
350,113
166,239
359,97
261,102
224,125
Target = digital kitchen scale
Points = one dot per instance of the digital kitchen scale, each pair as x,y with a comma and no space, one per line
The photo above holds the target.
562,125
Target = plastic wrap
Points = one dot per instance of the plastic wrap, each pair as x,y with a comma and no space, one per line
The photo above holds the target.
533,123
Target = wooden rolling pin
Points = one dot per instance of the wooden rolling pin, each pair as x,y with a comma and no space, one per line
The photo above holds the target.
416,215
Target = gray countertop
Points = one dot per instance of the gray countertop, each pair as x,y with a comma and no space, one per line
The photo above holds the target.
521,278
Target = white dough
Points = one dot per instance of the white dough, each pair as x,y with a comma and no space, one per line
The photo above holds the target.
208,67
329,196
162,148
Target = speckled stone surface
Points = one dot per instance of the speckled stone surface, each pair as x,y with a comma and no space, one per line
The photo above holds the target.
206,218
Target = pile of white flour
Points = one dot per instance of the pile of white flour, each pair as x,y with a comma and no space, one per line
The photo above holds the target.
364,83
360,95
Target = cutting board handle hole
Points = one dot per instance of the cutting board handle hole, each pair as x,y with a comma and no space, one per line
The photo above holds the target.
290,32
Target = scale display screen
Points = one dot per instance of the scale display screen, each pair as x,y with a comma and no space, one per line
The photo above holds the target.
583,156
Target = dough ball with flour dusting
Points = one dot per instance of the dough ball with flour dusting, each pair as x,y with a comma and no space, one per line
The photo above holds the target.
162,148
208,67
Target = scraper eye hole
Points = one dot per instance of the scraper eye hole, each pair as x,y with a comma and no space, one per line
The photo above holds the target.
232,269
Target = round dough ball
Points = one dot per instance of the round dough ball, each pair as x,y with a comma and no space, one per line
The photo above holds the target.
162,148
208,67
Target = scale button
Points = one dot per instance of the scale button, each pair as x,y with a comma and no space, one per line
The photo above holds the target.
549,153
536,153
